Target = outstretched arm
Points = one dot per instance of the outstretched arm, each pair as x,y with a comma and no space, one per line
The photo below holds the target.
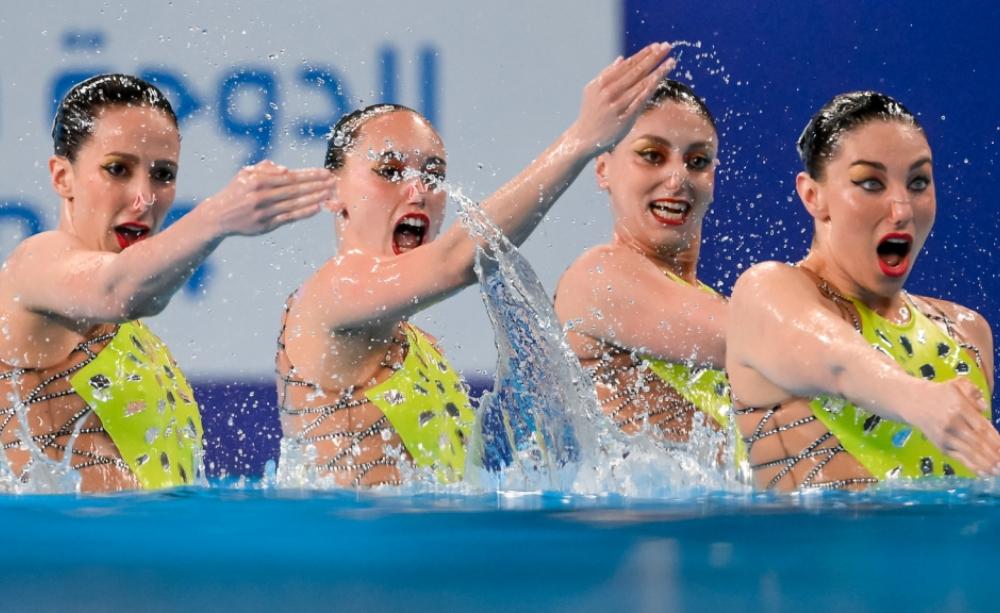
781,330
619,297
361,290
53,274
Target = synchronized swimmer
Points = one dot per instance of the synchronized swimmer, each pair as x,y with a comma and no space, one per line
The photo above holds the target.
840,379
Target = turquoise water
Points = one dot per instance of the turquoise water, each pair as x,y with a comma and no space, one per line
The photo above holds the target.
252,549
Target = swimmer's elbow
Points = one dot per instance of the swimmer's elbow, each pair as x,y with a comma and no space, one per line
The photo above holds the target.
458,266
132,307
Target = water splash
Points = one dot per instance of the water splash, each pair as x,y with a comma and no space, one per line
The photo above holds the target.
41,474
554,434
541,428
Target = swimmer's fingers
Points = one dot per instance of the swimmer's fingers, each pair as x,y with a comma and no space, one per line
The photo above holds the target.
641,91
324,187
985,440
270,177
251,201
973,440
973,454
635,69
973,393
285,206
983,434
301,213
614,71
603,118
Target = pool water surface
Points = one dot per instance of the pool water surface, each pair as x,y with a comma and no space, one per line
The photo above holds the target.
226,548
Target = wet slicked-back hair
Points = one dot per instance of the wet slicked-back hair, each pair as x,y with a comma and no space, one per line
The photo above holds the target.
77,113
675,91
345,133
844,113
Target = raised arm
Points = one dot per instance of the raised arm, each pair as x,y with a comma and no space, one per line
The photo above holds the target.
617,296
359,290
53,274
784,341
611,104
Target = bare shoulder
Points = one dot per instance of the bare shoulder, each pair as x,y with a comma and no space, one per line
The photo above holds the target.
584,272
766,278
593,261
336,280
969,324
28,263
51,245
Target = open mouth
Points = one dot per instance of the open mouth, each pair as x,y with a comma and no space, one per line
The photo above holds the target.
670,211
130,233
409,232
893,254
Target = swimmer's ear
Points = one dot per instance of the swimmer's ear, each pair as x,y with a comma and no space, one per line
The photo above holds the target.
334,204
61,171
601,170
808,189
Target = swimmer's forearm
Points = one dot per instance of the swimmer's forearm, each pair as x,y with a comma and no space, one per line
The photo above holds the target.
872,381
520,204
143,278
780,328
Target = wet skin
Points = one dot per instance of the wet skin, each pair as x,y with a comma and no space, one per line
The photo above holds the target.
787,343
618,297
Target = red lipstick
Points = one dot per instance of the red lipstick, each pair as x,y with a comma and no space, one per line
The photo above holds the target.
130,233
670,211
894,254
410,231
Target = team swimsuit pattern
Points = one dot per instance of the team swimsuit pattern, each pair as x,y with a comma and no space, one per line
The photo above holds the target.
349,400
816,449
57,386
630,402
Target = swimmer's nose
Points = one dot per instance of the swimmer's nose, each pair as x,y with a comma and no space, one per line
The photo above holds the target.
143,200
674,179
416,188
900,211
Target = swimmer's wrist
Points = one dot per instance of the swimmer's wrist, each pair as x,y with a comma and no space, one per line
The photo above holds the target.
209,225
573,142
910,397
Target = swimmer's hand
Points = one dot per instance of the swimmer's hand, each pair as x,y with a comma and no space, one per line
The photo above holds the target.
951,417
616,97
265,196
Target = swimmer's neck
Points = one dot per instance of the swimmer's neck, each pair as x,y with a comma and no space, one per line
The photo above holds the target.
681,261
887,306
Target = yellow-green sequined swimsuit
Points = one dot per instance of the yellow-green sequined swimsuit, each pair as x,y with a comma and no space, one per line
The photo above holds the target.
422,406
926,346
125,376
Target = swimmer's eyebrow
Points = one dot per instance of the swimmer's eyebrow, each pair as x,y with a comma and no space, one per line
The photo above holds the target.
662,141
120,154
875,165
398,156
131,157
391,155
881,166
